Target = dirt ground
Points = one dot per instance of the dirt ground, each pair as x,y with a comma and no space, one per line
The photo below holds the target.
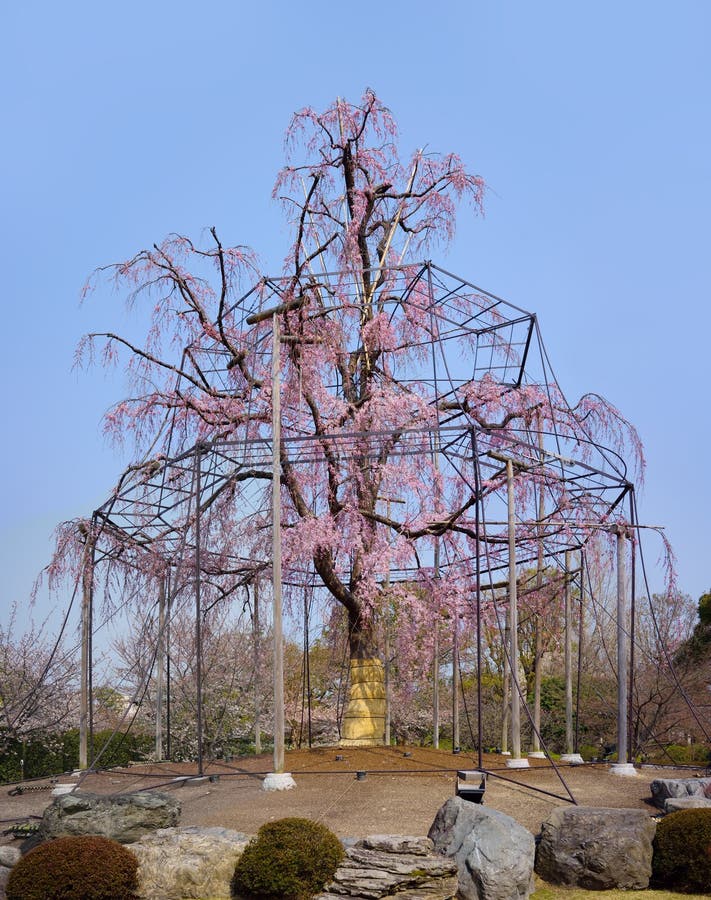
400,793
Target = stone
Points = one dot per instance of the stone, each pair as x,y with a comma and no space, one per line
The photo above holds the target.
363,722
386,866
674,804
4,875
177,863
494,854
398,843
665,788
121,817
9,855
596,848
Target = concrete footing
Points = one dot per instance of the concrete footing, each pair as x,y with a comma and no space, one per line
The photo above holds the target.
278,781
626,769
575,759
517,763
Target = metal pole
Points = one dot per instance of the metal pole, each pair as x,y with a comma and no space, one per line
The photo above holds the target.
85,661
255,641
633,618
307,664
455,683
198,613
506,686
160,664
622,649
435,685
477,586
513,619
276,552
435,649
387,670
388,683
167,681
538,636
568,658
435,659
581,621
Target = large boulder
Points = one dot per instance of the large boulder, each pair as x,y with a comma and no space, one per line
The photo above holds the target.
176,863
494,854
393,866
122,817
596,848
674,804
9,856
676,788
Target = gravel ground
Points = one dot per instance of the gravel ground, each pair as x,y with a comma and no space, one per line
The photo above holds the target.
398,795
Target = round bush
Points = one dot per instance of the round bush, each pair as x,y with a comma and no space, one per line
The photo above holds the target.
290,859
83,867
682,851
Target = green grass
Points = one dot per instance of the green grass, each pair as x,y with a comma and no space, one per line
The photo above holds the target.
553,892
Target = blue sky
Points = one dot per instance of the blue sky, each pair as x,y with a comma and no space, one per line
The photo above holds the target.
588,121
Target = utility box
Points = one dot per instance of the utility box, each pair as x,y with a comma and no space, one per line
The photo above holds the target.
470,785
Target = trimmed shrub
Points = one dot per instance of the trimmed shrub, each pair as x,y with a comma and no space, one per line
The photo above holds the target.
290,859
589,751
123,749
682,851
682,754
82,867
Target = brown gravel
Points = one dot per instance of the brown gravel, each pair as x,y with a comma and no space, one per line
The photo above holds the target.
399,794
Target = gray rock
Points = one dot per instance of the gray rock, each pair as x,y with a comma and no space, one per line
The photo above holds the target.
9,855
674,804
122,817
4,875
494,854
666,788
381,866
398,843
596,848
176,863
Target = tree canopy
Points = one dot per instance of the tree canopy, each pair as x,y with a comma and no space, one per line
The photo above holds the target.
400,383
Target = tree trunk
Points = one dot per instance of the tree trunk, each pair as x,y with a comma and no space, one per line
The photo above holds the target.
364,716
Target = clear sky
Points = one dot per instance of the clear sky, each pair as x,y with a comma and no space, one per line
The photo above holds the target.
589,121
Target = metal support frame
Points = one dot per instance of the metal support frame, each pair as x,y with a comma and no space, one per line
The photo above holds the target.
147,509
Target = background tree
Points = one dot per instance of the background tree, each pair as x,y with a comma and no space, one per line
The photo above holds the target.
37,693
